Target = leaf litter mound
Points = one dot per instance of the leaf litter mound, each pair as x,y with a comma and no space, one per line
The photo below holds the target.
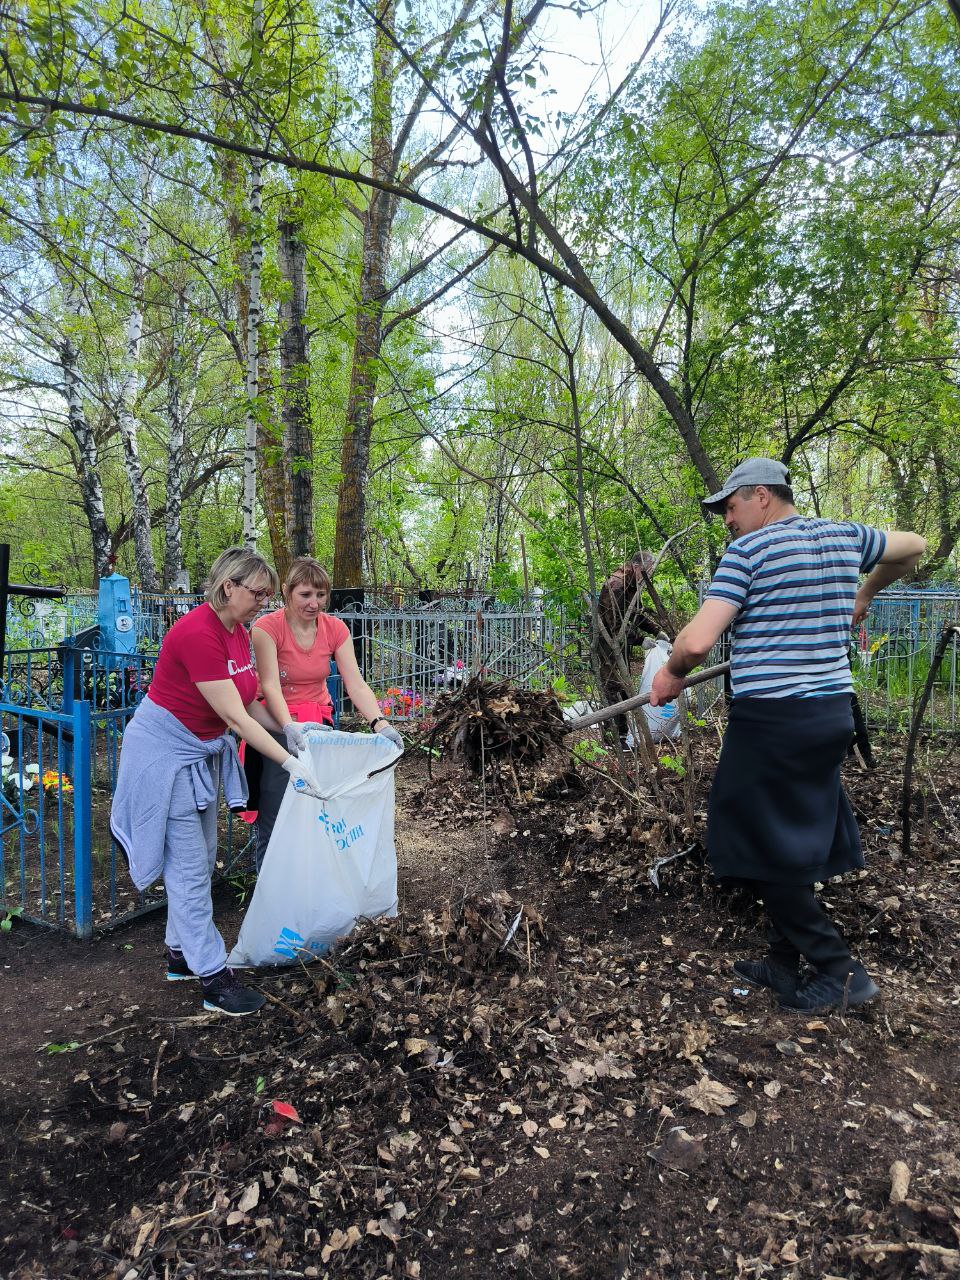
493,725
560,1080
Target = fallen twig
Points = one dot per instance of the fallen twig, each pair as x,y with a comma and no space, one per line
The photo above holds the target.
909,1246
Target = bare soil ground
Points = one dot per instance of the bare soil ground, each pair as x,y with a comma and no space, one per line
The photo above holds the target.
544,1067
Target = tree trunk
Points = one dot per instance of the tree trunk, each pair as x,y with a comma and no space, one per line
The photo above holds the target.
254,316
295,387
377,228
126,421
91,486
180,395
274,482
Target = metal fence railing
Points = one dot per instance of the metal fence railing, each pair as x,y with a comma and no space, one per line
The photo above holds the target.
40,624
62,714
408,657
45,829
891,653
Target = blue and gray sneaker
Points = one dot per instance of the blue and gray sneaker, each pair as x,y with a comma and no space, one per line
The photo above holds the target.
223,992
177,968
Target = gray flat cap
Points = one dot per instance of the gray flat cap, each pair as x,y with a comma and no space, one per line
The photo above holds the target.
752,471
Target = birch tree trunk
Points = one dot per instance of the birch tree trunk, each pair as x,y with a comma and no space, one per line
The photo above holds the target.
254,317
126,421
244,212
295,386
91,486
274,482
91,482
181,390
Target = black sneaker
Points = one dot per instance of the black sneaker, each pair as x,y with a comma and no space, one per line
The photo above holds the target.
223,992
177,968
823,992
767,973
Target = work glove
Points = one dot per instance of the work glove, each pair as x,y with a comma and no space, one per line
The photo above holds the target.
295,734
390,733
304,783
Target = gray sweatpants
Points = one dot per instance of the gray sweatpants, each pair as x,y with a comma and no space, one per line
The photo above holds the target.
189,856
273,785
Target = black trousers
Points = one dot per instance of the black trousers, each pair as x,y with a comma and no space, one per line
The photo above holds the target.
799,926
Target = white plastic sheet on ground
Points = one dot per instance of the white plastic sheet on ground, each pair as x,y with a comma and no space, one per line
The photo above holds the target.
328,862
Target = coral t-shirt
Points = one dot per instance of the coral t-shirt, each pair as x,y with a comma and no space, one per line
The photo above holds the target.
303,672
199,647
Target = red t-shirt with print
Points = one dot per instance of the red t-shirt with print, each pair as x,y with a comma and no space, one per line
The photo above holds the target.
196,648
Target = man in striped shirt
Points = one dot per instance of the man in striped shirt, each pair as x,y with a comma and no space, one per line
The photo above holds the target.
778,817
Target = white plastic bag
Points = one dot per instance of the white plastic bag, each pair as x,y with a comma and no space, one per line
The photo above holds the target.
328,862
663,722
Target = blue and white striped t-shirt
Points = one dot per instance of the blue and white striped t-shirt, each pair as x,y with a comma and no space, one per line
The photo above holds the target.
794,583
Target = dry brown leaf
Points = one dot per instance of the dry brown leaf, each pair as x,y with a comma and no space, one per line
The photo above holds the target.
679,1150
709,1096
250,1198
899,1181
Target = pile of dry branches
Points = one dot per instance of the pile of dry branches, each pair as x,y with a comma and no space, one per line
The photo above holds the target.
487,724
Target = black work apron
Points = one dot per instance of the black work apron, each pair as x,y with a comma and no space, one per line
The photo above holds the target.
777,809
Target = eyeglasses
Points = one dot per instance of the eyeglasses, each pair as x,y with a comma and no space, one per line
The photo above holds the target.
259,596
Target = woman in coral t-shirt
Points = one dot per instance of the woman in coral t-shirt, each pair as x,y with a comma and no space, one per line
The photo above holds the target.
294,647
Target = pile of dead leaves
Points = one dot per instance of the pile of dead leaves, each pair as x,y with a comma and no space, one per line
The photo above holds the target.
492,725
458,1089
564,1080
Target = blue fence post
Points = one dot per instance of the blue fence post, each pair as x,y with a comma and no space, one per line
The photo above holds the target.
82,820
69,659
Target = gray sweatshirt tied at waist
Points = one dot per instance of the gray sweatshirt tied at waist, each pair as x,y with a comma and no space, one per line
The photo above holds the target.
156,746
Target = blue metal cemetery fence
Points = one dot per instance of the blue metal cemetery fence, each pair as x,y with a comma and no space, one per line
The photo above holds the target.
891,653
63,712
45,846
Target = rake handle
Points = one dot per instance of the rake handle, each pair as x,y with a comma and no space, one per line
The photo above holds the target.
641,699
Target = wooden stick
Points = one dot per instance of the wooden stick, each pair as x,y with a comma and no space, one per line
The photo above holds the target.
641,699
950,632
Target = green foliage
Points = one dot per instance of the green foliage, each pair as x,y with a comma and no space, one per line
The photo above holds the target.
767,205
675,764
67,1046
9,915
590,751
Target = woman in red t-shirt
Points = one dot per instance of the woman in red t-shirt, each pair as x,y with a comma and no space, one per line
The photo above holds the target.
294,647
176,749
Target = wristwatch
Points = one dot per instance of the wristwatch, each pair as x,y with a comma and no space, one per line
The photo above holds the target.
376,720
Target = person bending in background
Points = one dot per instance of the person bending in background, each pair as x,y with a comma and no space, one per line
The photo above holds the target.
778,818
294,647
622,625
176,751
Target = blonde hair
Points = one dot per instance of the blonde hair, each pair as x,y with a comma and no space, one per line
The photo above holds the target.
236,564
304,569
